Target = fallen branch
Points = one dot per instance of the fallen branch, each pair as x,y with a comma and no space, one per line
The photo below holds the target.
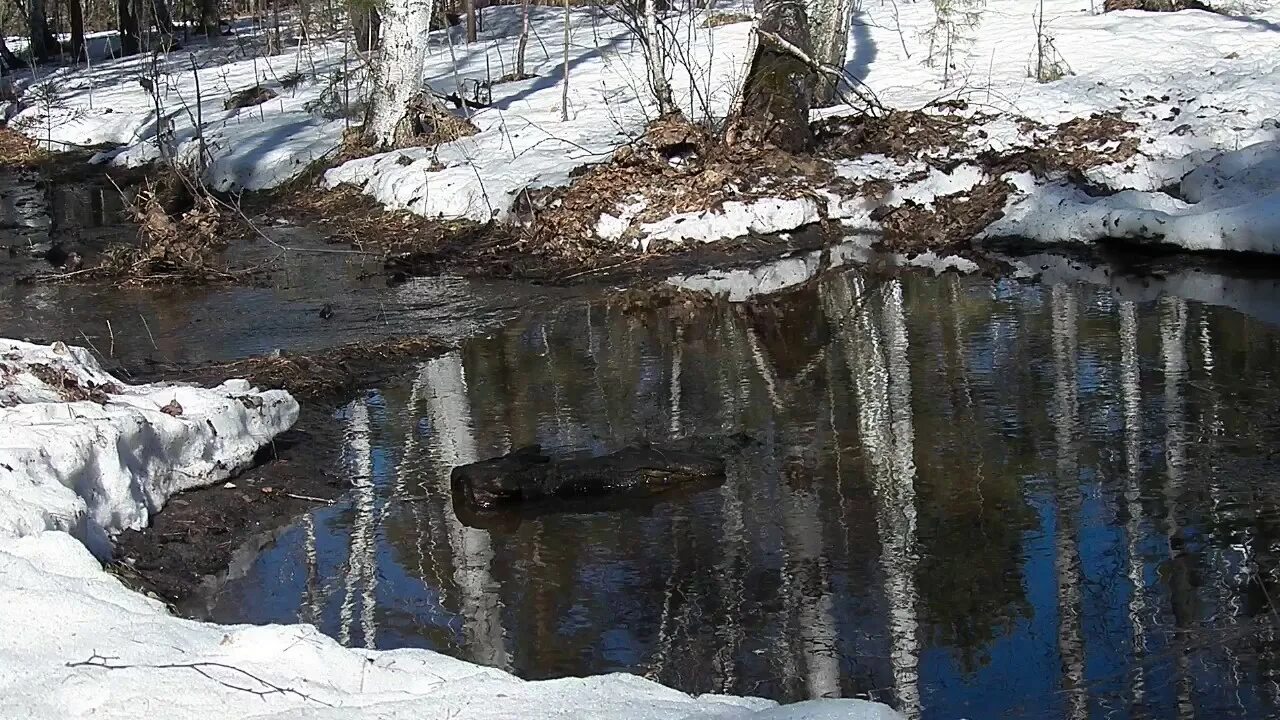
202,668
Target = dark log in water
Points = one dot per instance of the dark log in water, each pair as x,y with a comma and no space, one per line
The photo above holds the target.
529,474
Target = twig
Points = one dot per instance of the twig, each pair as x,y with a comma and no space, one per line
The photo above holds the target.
203,668
308,498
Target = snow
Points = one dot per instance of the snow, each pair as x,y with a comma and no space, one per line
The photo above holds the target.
1230,203
522,142
734,219
92,469
78,643
1202,88
1197,86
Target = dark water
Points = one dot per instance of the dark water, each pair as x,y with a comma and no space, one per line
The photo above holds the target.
971,500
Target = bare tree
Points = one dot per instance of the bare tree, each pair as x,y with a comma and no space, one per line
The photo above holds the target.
210,18
524,38
366,23
829,22
130,34
472,26
655,48
398,73
43,43
75,15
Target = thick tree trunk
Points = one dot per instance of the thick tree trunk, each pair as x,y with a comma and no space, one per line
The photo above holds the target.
43,44
75,14
779,87
398,75
367,25
656,58
472,27
130,35
210,19
163,18
829,22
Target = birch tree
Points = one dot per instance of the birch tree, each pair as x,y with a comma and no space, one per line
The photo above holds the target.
829,22
398,73
656,57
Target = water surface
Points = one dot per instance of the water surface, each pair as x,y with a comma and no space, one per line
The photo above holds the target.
970,499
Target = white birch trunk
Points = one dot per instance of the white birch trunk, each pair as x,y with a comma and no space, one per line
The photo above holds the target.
1132,394
1066,555
877,357
450,415
657,61
829,22
398,75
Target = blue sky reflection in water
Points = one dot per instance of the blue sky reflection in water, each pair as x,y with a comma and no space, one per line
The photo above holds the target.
971,499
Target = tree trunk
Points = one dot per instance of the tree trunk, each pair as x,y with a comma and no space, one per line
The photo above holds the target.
43,44
398,74
829,22
210,19
656,58
367,25
163,18
130,35
524,38
75,13
8,59
779,86
471,20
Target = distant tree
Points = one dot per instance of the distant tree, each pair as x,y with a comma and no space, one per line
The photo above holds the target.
366,23
130,33
75,15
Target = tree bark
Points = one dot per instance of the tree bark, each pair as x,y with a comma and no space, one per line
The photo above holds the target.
43,44
472,27
524,38
75,13
398,74
829,22
367,25
779,87
210,19
130,35
656,59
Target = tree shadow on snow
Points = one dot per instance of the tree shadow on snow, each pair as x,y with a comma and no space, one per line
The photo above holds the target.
864,48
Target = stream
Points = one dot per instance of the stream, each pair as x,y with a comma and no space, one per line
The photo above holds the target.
969,497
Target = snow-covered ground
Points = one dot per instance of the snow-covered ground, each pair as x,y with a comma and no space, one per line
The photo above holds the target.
1195,85
83,455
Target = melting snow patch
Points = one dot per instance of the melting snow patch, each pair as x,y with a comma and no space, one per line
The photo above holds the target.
733,219
84,453
1231,203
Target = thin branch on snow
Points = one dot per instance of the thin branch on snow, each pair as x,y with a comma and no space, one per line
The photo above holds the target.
108,662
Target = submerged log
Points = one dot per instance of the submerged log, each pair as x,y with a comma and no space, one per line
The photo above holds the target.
528,474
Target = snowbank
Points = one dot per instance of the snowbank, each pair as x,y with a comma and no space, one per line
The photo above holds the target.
1195,85
1230,203
84,455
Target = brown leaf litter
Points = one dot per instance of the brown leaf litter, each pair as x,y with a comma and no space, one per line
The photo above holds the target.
69,387
674,167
